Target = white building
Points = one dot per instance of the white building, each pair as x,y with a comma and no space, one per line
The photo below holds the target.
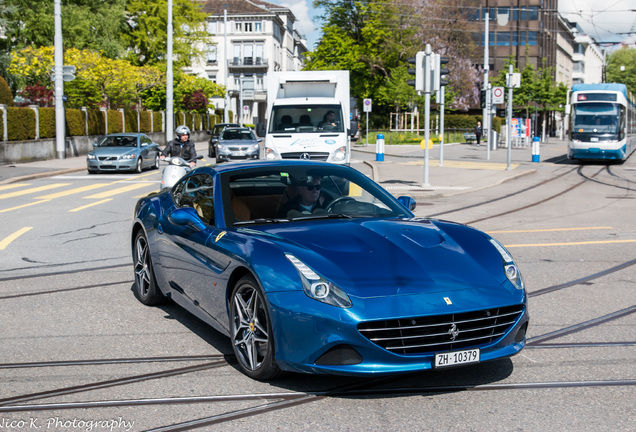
249,39
587,59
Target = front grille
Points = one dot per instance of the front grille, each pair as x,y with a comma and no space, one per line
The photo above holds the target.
319,156
107,158
421,335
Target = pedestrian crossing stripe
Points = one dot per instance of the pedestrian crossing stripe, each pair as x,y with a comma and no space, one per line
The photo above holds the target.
32,190
13,186
74,191
495,166
110,193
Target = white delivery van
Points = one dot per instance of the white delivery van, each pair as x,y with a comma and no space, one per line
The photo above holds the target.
309,116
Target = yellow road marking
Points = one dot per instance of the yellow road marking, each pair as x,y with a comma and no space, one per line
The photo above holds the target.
354,190
74,191
110,193
4,243
549,230
13,186
571,243
23,205
32,190
90,205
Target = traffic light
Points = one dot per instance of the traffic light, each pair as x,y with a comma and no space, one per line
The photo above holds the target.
482,98
443,71
418,71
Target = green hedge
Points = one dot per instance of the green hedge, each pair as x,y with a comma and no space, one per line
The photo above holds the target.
21,122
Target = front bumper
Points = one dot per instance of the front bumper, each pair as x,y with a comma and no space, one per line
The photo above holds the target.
325,340
111,165
231,153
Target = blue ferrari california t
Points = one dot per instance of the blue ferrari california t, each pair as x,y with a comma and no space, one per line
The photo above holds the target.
313,267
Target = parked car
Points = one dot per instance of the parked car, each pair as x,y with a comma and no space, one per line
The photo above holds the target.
237,143
214,136
356,286
123,152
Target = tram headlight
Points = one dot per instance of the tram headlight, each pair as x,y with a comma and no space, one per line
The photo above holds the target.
510,268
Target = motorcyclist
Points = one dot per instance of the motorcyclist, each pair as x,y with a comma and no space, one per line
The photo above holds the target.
181,146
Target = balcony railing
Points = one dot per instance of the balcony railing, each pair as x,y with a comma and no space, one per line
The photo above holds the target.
248,62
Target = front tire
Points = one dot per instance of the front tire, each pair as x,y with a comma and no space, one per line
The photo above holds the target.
156,165
146,288
251,331
139,166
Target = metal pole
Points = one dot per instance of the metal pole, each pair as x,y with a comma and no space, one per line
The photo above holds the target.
509,117
441,126
427,110
367,128
484,116
488,111
226,111
169,81
60,130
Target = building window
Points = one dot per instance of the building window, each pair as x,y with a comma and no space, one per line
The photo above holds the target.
212,27
212,54
238,27
212,77
258,27
237,54
248,27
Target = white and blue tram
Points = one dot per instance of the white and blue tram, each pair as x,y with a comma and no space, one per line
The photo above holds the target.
602,122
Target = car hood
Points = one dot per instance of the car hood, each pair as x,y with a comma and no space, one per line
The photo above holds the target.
370,258
113,151
237,142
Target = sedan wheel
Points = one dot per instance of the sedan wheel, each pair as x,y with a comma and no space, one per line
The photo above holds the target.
145,285
156,165
251,331
138,167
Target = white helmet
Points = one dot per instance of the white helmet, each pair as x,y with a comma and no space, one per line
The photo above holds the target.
182,130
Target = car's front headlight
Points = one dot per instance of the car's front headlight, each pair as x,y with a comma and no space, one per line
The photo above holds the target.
270,154
510,268
319,288
127,156
340,154
91,156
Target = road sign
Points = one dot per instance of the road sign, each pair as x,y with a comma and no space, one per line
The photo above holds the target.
367,105
65,77
513,80
497,95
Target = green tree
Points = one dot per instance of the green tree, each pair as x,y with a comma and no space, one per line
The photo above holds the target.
621,67
86,24
146,36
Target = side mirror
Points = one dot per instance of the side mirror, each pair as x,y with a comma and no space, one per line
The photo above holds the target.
407,202
95,144
186,216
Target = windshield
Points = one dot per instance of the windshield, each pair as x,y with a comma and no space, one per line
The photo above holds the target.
306,119
292,194
118,141
595,117
237,134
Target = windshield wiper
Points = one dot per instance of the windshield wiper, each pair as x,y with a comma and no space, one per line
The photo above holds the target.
323,216
261,221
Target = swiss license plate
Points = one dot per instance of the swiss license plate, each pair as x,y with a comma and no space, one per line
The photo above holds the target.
453,358
107,163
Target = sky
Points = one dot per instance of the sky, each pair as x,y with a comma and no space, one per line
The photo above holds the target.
604,20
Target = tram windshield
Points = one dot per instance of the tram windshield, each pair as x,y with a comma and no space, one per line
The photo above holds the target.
595,117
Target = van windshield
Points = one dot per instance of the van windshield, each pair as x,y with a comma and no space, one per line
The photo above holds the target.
292,119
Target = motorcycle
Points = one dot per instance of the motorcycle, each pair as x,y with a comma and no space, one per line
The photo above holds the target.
177,168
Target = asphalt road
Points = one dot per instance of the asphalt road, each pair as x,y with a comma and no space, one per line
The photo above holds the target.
80,353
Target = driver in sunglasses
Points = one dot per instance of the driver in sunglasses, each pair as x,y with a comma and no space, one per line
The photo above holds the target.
308,201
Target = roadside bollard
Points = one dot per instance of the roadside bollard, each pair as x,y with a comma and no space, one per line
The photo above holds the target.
379,148
535,149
